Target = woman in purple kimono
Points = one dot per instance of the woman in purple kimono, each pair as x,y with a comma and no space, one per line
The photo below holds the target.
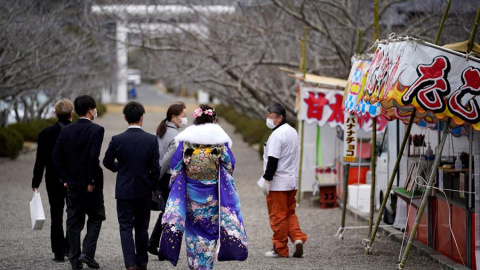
203,202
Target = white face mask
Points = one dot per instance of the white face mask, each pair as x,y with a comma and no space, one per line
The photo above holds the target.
184,122
95,115
270,123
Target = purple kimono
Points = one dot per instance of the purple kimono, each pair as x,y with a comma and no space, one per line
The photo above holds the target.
203,204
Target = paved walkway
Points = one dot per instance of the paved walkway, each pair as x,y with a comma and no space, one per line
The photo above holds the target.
22,248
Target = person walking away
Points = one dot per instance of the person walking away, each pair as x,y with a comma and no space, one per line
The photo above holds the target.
134,155
280,183
203,201
166,132
76,159
57,193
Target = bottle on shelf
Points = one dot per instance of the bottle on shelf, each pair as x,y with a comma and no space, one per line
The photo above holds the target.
429,151
458,163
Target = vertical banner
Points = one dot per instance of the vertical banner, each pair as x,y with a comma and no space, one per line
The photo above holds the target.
350,138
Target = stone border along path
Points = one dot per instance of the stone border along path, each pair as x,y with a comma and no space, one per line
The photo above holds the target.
22,248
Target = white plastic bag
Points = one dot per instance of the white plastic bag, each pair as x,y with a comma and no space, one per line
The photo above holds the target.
36,211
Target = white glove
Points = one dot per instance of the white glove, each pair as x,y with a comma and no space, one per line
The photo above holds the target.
266,187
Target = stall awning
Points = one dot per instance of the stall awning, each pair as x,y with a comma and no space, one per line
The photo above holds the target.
438,83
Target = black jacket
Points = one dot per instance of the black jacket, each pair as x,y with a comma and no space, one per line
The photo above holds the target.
44,161
134,155
76,154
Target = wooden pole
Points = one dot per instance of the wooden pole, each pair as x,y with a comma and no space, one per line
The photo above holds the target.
390,183
347,166
442,22
435,164
346,174
373,154
474,32
421,209
303,69
373,157
402,148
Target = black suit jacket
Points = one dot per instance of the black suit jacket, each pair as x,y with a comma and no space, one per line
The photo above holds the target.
44,161
76,154
134,155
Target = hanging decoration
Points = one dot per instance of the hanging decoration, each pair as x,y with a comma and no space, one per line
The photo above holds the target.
409,74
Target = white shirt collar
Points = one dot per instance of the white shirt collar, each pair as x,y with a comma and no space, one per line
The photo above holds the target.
135,126
86,118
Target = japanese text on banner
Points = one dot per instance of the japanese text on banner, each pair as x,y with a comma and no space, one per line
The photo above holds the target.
350,138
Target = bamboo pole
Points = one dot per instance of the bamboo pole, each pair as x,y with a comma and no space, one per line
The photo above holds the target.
303,69
346,174
347,166
390,183
373,154
474,32
428,190
442,22
373,157
435,163
375,20
476,170
402,148
437,38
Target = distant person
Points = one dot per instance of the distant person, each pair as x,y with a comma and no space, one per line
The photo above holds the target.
203,201
166,132
57,193
280,183
134,155
76,158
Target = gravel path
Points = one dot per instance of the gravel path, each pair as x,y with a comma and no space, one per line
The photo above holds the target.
22,248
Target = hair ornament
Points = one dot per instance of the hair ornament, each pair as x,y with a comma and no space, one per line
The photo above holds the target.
199,112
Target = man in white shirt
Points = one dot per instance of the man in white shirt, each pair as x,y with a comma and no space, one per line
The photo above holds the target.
280,183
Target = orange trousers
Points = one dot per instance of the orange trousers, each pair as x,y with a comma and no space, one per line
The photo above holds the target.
283,220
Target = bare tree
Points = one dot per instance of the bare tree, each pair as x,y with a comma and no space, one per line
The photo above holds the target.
44,50
236,55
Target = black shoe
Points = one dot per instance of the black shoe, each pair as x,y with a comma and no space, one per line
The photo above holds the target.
89,261
152,250
58,259
77,267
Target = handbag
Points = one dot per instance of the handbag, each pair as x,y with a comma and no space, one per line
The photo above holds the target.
158,202
36,211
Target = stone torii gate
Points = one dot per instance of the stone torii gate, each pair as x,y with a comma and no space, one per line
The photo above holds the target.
123,27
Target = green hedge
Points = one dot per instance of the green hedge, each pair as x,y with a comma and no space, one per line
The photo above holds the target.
29,130
12,137
101,109
253,131
11,143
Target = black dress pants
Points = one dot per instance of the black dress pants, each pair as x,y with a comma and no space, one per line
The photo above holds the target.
134,214
81,203
57,198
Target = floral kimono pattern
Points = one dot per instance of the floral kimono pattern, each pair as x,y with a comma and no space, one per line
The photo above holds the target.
204,206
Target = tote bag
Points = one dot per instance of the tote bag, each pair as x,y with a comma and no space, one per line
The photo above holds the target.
36,211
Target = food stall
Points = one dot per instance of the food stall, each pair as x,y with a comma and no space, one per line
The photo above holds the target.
320,114
435,87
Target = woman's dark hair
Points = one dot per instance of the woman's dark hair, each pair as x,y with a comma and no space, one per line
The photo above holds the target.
205,118
174,109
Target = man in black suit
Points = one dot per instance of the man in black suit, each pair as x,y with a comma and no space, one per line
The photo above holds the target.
76,158
134,155
57,193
